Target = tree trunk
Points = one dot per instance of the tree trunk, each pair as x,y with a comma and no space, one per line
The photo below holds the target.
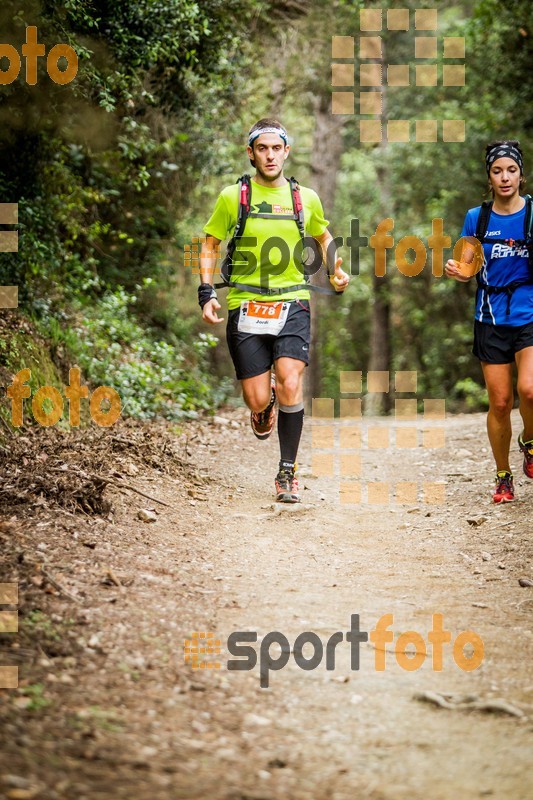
325,161
380,348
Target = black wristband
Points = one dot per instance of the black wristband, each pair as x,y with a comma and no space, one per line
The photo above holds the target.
205,294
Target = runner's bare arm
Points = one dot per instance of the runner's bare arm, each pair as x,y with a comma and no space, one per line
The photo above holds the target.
208,262
339,279
464,269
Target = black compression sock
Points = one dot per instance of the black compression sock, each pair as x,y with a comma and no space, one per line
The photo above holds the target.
290,424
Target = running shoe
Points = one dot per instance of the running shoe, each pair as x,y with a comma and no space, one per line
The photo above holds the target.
527,450
263,422
287,485
504,492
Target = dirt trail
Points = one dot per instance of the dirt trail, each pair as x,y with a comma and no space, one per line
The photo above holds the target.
119,715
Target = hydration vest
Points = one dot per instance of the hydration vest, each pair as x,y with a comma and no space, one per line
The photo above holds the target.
226,268
481,235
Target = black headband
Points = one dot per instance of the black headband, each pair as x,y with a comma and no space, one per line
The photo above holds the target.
503,151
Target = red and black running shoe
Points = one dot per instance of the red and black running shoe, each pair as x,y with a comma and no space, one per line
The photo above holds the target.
263,422
527,450
287,485
504,491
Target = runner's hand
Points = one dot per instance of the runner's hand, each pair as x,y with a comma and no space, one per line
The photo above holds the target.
452,271
209,312
339,280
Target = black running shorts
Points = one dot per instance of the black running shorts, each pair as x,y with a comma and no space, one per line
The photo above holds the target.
252,353
497,344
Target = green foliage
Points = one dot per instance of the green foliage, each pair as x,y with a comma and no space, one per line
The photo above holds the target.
153,377
36,693
472,394
37,623
431,316
104,171
500,39
19,349
115,172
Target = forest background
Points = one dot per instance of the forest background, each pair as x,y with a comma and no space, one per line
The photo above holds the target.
115,173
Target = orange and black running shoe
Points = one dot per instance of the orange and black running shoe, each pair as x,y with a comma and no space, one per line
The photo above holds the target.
263,422
287,485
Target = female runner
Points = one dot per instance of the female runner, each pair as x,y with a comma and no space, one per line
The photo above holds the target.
503,327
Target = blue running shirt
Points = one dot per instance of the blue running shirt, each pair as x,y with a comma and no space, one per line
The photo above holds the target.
502,264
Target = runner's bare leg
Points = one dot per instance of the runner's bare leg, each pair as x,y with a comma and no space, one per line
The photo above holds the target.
257,391
499,383
524,363
289,380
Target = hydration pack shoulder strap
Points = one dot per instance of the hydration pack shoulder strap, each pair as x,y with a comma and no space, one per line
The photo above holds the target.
483,226
481,234
245,192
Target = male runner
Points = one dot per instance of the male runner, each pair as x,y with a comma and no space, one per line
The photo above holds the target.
267,259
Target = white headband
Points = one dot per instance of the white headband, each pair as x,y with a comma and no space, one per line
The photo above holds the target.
279,131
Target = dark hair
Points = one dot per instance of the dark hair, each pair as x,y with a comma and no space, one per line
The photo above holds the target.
266,122
499,142
513,143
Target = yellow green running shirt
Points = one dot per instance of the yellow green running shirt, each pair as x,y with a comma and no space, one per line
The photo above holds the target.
266,258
